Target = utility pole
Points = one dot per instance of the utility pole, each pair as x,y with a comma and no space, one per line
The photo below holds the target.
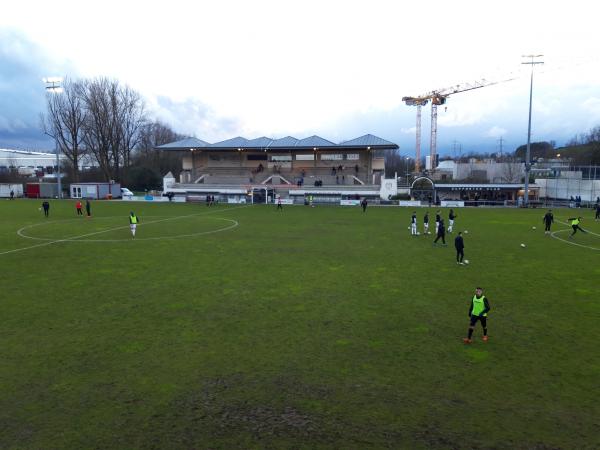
53,85
500,142
532,62
456,146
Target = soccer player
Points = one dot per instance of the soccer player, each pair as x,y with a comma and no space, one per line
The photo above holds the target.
548,221
363,203
78,206
438,217
478,310
441,233
597,211
279,206
413,224
88,208
575,221
46,207
426,223
133,221
459,244
451,217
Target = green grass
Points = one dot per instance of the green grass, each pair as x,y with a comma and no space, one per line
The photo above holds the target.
311,328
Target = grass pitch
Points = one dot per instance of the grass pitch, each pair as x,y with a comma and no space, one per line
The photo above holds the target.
244,327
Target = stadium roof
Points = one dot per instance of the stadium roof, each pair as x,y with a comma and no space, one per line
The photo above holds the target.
185,143
288,142
368,140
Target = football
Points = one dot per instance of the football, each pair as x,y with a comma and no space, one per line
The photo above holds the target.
466,261
466,232
523,245
533,228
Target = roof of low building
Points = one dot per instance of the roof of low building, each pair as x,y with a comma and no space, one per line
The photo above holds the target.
367,141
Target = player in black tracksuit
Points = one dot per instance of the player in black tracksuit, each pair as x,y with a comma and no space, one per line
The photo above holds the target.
441,232
548,221
597,211
459,244
438,217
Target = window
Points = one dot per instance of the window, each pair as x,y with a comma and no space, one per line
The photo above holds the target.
310,157
257,157
281,158
332,157
353,157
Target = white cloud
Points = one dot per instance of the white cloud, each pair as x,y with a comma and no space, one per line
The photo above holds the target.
495,132
275,68
592,106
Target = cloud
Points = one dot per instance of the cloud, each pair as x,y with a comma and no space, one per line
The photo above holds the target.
23,64
194,118
495,132
592,107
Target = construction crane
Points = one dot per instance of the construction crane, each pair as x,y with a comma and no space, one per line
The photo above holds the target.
438,97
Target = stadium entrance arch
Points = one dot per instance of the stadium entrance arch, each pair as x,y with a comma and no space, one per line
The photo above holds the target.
423,189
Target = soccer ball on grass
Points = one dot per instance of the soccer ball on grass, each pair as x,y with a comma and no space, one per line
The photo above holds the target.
466,261
523,245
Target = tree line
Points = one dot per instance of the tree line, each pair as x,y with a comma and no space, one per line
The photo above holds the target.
106,124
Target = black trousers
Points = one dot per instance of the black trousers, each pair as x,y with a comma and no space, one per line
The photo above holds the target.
440,236
483,321
575,228
548,225
460,254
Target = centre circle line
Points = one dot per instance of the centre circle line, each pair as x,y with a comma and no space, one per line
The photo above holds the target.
74,238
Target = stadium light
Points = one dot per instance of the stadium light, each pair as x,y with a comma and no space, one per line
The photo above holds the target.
53,85
527,153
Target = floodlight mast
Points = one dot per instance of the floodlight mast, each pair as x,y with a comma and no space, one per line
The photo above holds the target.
53,85
528,151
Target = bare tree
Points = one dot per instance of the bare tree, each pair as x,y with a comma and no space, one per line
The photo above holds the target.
64,122
152,135
114,117
512,171
131,119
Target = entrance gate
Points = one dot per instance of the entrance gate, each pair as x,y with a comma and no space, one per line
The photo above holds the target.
423,189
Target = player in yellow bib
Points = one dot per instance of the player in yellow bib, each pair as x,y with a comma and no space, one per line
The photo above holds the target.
478,312
575,221
133,221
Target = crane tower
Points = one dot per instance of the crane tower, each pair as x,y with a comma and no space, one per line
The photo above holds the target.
438,97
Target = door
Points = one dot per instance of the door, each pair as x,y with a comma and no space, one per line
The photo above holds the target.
75,191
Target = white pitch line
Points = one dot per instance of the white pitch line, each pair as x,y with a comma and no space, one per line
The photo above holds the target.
74,238
589,232
553,234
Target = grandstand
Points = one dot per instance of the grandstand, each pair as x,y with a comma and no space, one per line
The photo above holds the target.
289,167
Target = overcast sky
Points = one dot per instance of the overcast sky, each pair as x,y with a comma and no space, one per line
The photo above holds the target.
338,69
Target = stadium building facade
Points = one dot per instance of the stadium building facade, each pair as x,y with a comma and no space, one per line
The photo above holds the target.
289,167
